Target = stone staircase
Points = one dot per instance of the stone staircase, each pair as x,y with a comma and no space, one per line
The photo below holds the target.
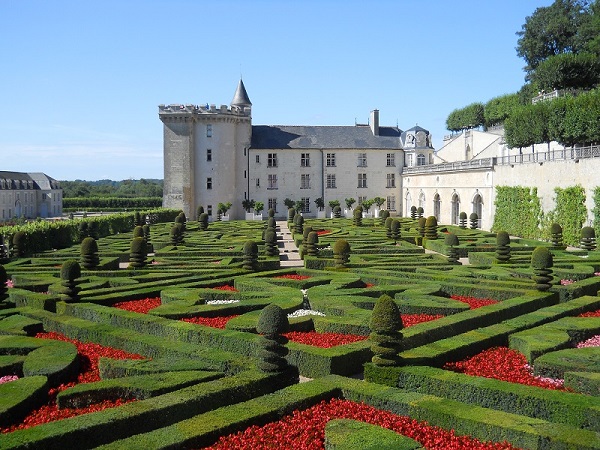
288,252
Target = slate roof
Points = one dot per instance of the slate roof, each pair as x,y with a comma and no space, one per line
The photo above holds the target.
240,98
39,180
324,137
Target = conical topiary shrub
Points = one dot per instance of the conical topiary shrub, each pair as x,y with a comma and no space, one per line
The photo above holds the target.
271,248
298,224
69,273
138,253
462,220
386,336
474,220
388,227
177,234
395,230
19,242
181,219
420,212
199,211
250,260
357,217
413,212
138,231
146,230
3,286
341,253
291,214
137,219
271,212
272,323
271,223
431,225
383,215
556,235
203,221
310,244
502,247
89,253
421,226
588,238
451,241
337,212
541,262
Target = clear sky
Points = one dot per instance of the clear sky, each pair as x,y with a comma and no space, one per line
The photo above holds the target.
81,80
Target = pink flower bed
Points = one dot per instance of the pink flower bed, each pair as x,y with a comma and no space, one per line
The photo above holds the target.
305,430
594,341
140,306
504,364
89,354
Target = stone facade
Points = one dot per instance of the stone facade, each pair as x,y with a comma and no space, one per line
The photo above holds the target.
29,195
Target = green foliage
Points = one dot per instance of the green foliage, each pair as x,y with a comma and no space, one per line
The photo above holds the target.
341,253
272,321
420,212
349,202
431,228
138,231
113,189
502,247
385,325
394,229
357,217
541,262
289,203
471,116
291,214
138,253
421,226
250,251
570,212
588,238
451,241
518,211
271,213
596,209
19,242
89,253
413,212
320,203
474,220
337,211
3,280
333,203
248,204
462,218
271,248
199,211
499,108
258,207
177,234
366,204
69,273
567,71
110,203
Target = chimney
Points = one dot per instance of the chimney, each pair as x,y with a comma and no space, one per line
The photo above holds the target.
374,122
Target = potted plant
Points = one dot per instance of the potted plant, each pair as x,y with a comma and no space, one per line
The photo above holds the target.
349,202
321,207
378,201
258,208
248,205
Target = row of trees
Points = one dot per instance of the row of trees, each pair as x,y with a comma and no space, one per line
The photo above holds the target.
110,188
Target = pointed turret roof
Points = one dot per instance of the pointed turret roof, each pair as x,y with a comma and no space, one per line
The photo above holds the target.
240,98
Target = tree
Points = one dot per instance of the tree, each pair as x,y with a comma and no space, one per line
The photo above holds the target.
498,109
549,31
258,207
333,203
567,71
320,203
378,201
386,336
248,204
349,202
289,203
366,204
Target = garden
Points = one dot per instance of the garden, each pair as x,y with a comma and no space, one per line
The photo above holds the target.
154,330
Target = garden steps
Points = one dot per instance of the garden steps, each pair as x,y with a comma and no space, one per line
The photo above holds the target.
289,255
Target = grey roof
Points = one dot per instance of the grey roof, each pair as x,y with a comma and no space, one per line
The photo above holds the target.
240,98
326,137
39,180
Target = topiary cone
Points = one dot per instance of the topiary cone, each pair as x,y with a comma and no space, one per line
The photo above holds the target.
69,273
272,323
385,336
502,247
541,262
89,253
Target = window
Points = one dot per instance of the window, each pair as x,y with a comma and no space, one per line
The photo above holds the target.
209,130
361,199
257,159
420,159
305,160
362,160
209,210
330,160
272,160
258,182
391,160
391,180
409,160
272,204
271,181
331,181
305,181
362,180
305,204
209,154
209,183
391,203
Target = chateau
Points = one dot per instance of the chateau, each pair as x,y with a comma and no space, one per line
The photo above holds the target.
215,155
29,195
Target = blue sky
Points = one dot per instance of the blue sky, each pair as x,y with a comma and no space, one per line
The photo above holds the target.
82,81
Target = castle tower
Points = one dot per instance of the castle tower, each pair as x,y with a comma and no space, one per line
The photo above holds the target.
205,154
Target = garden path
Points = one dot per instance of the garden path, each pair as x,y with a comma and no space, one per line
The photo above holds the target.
288,252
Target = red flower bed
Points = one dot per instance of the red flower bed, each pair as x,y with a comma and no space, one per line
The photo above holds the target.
322,232
474,302
504,364
590,314
305,430
323,340
140,306
214,322
413,319
292,277
226,287
89,354
369,285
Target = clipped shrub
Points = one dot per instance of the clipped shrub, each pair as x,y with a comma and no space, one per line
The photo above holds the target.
451,241
357,217
177,234
199,212
250,258
462,219
306,231
271,223
383,215
341,253
272,323
421,226
138,253
138,231
181,219
395,230
310,244
474,220
420,212
69,273
146,230
502,247
588,238
3,281
137,219
271,248
89,253
271,212
337,211
203,221
388,227
19,243
298,224
291,214
541,262
385,336
431,225
413,212
556,235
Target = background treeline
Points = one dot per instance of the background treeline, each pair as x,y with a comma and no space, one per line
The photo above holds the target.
519,212
110,188
109,195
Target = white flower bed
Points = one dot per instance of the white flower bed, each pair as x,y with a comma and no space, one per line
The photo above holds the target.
305,312
221,302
